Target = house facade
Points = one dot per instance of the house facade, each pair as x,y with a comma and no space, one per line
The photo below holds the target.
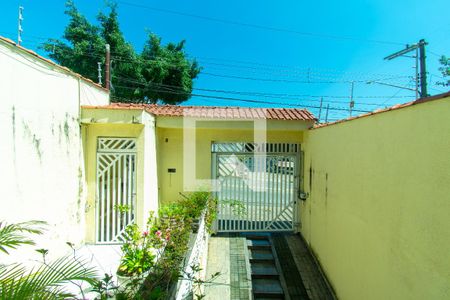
175,154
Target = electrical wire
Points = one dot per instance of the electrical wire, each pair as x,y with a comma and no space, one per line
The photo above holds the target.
260,94
312,74
258,26
240,99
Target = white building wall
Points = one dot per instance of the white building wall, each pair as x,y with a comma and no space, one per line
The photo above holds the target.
150,188
41,168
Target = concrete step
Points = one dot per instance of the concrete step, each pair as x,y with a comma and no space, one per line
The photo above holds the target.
266,276
264,253
258,244
256,235
264,268
267,289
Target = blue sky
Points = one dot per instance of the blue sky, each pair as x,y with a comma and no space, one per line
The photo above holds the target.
326,45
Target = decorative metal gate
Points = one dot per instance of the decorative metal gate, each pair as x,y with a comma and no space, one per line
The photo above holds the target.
116,188
256,186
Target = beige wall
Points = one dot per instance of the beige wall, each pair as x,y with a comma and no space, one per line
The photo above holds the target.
41,159
378,214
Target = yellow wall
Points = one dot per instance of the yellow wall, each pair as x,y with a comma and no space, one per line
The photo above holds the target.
170,153
378,215
90,134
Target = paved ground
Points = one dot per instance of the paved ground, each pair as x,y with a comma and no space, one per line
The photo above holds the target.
228,255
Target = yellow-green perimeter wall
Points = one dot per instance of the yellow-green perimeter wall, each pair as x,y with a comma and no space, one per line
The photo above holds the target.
170,154
378,214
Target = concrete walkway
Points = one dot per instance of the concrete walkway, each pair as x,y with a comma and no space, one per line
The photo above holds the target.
228,255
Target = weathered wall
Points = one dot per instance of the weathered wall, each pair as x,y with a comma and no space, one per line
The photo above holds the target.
42,174
170,153
130,124
377,216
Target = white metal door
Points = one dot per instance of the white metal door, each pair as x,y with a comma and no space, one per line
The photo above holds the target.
116,188
257,190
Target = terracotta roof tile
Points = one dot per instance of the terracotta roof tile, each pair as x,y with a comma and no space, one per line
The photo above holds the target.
12,43
216,112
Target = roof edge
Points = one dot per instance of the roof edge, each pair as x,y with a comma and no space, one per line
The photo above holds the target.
394,107
10,42
153,110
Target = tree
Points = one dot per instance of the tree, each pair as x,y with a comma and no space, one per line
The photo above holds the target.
46,281
160,73
445,70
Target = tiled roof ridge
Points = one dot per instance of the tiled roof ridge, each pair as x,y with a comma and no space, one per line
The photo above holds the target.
12,43
234,112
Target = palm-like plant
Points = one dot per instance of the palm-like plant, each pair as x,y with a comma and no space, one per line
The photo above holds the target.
46,281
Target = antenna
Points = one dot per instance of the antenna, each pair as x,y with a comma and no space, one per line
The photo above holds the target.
99,70
107,66
419,47
320,108
19,26
352,102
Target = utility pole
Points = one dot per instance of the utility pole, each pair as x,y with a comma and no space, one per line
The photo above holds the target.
326,113
320,108
107,67
352,103
423,68
422,58
416,78
19,26
99,70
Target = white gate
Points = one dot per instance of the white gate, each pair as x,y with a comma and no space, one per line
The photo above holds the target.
256,186
116,188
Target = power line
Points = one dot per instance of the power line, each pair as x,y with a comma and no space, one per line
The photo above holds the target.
260,94
258,26
119,58
239,99
291,81
269,70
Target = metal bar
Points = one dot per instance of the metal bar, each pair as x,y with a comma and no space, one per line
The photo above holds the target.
130,191
113,201
119,193
108,201
222,221
99,201
234,192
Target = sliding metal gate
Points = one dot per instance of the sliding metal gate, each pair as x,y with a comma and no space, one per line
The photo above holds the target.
256,186
116,188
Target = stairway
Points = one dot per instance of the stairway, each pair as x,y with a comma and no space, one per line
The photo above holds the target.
266,278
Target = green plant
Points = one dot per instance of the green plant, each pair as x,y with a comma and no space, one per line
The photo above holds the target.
122,208
168,235
237,206
105,287
45,281
194,203
197,282
14,235
137,255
